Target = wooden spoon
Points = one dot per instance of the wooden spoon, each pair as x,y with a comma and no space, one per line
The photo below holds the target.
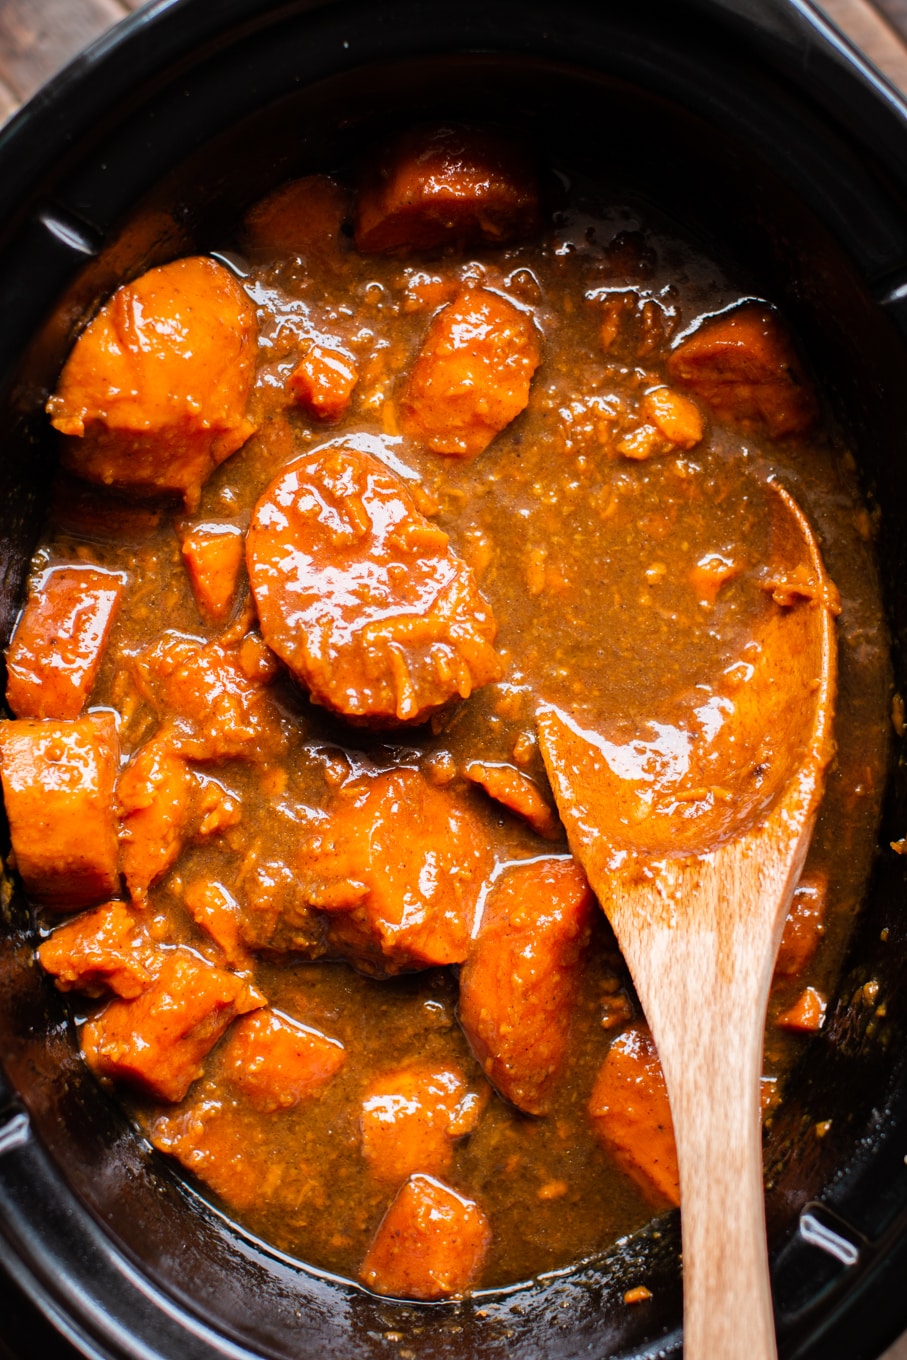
693,834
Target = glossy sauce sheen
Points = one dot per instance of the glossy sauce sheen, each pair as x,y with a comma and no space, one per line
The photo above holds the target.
615,546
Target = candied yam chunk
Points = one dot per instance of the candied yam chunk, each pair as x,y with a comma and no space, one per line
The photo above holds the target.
362,596
323,381
471,377
105,950
58,782
154,394
57,648
213,554
447,186
411,1117
159,1041
400,867
303,217
431,1243
275,916
743,366
804,927
631,1116
807,1014
154,802
213,908
519,984
676,418
519,793
277,1062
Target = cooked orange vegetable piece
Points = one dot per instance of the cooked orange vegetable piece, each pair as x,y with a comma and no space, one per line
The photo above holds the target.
430,1244
228,1152
520,981
217,912
361,595
213,554
323,381
447,185
154,800
674,416
519,793
743,365
58,780
631,1116
154,393
214,698
472,375
400,866
411,1117
276,1062
159,1041
804,927
303,217
806,1014
105,950
59,642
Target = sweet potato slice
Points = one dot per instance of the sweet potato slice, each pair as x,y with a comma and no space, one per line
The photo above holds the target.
804,927
472,375
155,391
743,365
519,983
323,381
431,1243
276,1062
58,781
159,1042
302,217
399,866
213,908
213,554
57,648
362,596
447,186
631,1116
411,1117
105,950
154,802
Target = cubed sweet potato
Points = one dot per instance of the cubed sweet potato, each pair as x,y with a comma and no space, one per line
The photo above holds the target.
431,1243
323,381
105,950
303,217
159,1042
277,1062
154,394
399,866
213,554
447,185
57,648
743,365
807,1013
472,375
58,782
213,908
520,981
631,1116
411,1117
154,800
804,927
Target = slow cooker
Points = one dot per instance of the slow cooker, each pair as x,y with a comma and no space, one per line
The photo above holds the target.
779,150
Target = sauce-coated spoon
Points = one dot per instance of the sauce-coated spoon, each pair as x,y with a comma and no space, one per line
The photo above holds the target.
693,835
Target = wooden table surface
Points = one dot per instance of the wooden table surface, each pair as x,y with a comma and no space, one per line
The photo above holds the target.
37,37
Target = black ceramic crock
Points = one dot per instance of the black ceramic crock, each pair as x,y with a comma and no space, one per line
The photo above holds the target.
750,123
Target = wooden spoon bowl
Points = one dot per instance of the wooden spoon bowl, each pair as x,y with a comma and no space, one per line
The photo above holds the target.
693,832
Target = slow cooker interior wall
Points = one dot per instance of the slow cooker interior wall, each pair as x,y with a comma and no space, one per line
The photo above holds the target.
737,207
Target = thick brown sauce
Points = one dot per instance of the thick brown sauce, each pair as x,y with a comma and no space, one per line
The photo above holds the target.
586,559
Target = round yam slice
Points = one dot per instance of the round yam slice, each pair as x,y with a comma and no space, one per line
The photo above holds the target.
362,596
154,394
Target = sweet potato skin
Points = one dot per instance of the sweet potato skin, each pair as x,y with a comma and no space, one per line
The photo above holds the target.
430,1244
58,785
57,648
155,392
519,983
